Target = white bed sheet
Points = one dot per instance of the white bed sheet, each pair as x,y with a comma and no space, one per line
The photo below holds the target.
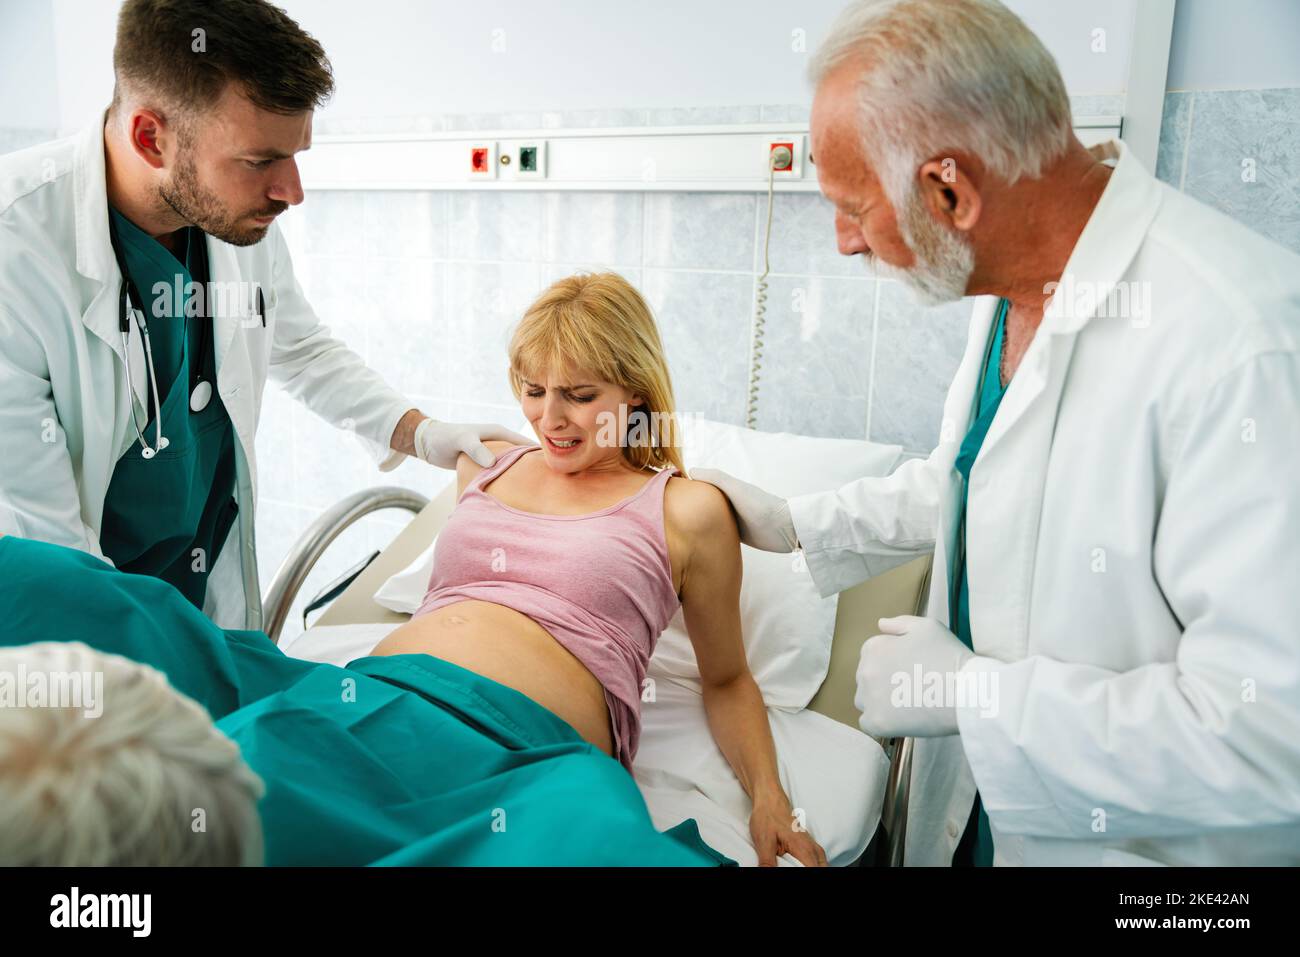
836,775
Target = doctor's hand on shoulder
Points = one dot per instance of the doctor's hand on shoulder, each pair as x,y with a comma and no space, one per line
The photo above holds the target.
440,443
891,702
762,518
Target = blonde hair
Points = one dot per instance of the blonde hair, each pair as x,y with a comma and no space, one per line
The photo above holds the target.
123,786
599,323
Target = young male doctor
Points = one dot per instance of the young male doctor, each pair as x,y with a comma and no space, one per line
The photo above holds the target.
1113,504
130,388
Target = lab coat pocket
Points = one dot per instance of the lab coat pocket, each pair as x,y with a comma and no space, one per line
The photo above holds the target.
270,306
257,333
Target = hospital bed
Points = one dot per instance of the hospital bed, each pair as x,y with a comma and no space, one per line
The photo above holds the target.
821,750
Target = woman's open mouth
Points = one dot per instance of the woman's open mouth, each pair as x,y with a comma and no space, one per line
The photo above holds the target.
560,449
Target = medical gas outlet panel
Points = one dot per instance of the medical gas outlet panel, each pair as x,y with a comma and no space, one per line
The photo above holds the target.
638,158
738,158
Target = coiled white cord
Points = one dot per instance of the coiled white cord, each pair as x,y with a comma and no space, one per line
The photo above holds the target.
760,303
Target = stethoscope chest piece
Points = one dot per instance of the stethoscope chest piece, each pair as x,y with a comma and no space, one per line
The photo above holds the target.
148,452
201,396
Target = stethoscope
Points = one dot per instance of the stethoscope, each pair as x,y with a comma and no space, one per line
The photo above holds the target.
200,388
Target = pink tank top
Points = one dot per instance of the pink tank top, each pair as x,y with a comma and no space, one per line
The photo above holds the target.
600,584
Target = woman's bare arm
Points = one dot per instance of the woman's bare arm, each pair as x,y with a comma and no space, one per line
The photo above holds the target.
467,468
700,514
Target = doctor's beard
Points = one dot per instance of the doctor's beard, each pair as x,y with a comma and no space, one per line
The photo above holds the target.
201,207
944,260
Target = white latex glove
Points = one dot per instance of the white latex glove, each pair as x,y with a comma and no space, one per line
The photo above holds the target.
440,443
892,704
762,518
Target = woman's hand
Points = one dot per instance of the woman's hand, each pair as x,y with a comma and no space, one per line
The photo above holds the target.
772,826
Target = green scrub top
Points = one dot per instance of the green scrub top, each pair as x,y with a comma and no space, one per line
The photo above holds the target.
976,846
159,512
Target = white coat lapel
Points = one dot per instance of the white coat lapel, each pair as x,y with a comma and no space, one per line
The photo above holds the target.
95,261
1101,256
228,312
95,258
231,313
1010,473
958,411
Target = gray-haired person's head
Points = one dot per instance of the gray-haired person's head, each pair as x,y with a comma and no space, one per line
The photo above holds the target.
103,762
936,78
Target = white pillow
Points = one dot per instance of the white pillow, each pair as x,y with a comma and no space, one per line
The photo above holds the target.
787,627
405,591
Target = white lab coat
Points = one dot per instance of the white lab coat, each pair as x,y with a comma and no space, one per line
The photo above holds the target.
1133,548
65,412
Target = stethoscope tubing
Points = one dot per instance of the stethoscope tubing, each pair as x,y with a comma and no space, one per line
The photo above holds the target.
125,313
146,450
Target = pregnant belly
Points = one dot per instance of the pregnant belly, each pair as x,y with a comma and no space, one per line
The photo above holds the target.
509,647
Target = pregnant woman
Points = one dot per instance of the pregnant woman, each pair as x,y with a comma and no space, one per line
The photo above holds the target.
497,727
563,562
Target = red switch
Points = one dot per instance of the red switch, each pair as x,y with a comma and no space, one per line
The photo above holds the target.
479,156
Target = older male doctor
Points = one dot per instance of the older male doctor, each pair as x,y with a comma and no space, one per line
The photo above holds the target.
1113,505
146,295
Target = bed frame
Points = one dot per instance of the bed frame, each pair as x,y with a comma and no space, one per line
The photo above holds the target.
901,591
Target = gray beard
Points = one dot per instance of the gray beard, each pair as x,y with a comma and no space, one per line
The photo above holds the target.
944,260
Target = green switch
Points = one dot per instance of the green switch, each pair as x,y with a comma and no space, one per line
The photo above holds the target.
528,159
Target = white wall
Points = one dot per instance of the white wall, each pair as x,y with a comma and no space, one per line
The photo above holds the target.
423,56
1237,45
83,56
412,57
27,74
597,54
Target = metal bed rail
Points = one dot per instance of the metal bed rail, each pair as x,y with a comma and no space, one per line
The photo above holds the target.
893,813
311,545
